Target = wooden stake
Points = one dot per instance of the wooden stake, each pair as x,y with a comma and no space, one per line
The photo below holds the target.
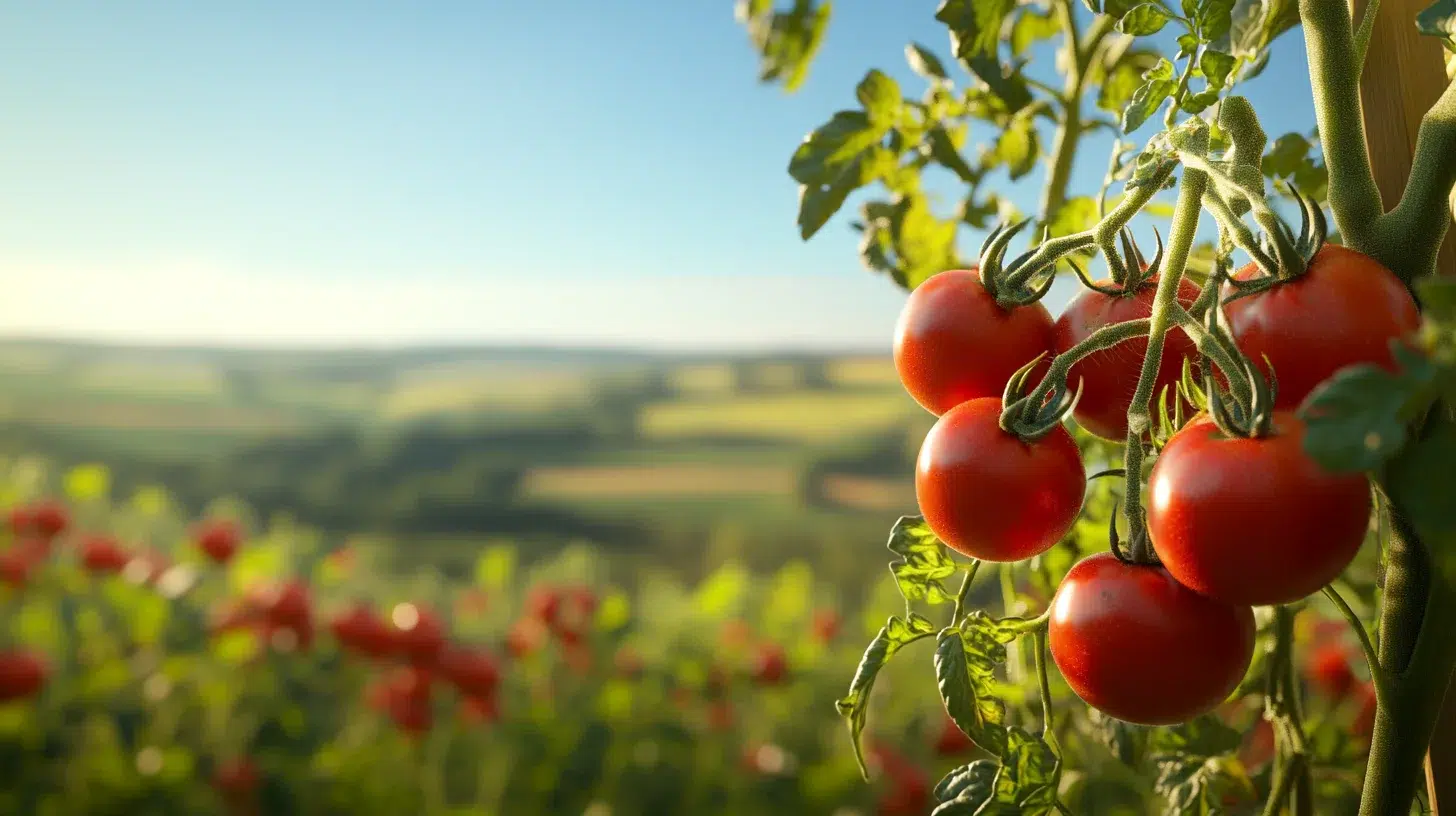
1405,73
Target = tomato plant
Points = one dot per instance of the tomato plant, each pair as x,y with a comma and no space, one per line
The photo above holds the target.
1195,370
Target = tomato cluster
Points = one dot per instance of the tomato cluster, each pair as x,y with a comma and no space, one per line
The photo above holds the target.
1235,520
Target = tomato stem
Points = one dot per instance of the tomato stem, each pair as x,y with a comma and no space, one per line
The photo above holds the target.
1377,675
960,598
1048,731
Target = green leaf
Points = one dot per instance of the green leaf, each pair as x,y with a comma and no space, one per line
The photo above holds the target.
1075,215
1028,776
1145,102
1031,26
924,62
1356,420
1008,86
854,705
943,151
1216,66
975,25
880,97
1201,785
1162,69
819,202
1287,154
1214,19
1124,78
924,244
970,783
1019,146
1187,45
1254,25
1204,736
1419,482
978,213
1439,20
1123,740
1144,20
786,41
923,563
1438,299
825,153
1199,102
965,665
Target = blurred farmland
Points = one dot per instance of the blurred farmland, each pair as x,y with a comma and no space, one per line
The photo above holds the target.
688,461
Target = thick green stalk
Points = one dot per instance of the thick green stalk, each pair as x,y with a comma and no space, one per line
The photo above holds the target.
1334,76
1164,317
1416,227
1069,134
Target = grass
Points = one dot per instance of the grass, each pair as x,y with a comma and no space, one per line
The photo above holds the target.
684,480
805,416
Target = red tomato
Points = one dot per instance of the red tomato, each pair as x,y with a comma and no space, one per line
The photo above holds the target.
287,608
771,666
1139,646
952,741
418,635
1253,521
49,518
1329,670
735,633
954,343
409,700
22,520
1364,725
361,631
22,674
480,709
1258,747
474,672
236,780
101,554
544,604
526,637
1345,309
14,568
576,608
219,540
1109,378
991,496
826,625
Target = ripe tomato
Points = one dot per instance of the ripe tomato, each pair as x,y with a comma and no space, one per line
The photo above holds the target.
544,604
473,672
102,555
22,674
952,741
236,780
826,625
287,608
771,665
991,496
418,634
1329,671
1258,746
408,700
955,343
1139,646
49,518
480,709
14,568
1253,521
1343,310
21,520
1110,377
219,540
361,631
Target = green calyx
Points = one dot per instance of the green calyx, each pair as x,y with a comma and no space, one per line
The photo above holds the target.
1251,419
1130,270
1313,231
1137,552
1000,280
1028,417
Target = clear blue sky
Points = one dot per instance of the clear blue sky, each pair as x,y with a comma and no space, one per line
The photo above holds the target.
503,171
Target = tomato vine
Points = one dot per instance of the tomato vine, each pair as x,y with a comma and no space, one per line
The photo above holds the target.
1374,387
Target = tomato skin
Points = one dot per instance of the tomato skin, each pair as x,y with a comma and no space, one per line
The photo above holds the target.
49,518
1345,309
954,343
418,634
22,674
1109,377
991,496
219,540
771,665
1329,670
1139,646
15,567
361,631
1253,521
474,672
102,555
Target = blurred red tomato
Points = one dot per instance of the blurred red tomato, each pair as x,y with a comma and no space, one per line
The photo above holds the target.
15,567
1329,670
236,780
102,554
826,625
409,699
1258,745
735,634
361,631
219,539
474,672
544,604
1364,725
480,709
574,613
288,609
771,666
49,518
952,741
22,674
418,633
21,520
526,637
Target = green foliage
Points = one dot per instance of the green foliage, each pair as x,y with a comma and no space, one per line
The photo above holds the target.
923,563
974,25
1439,20
786,40
854,705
